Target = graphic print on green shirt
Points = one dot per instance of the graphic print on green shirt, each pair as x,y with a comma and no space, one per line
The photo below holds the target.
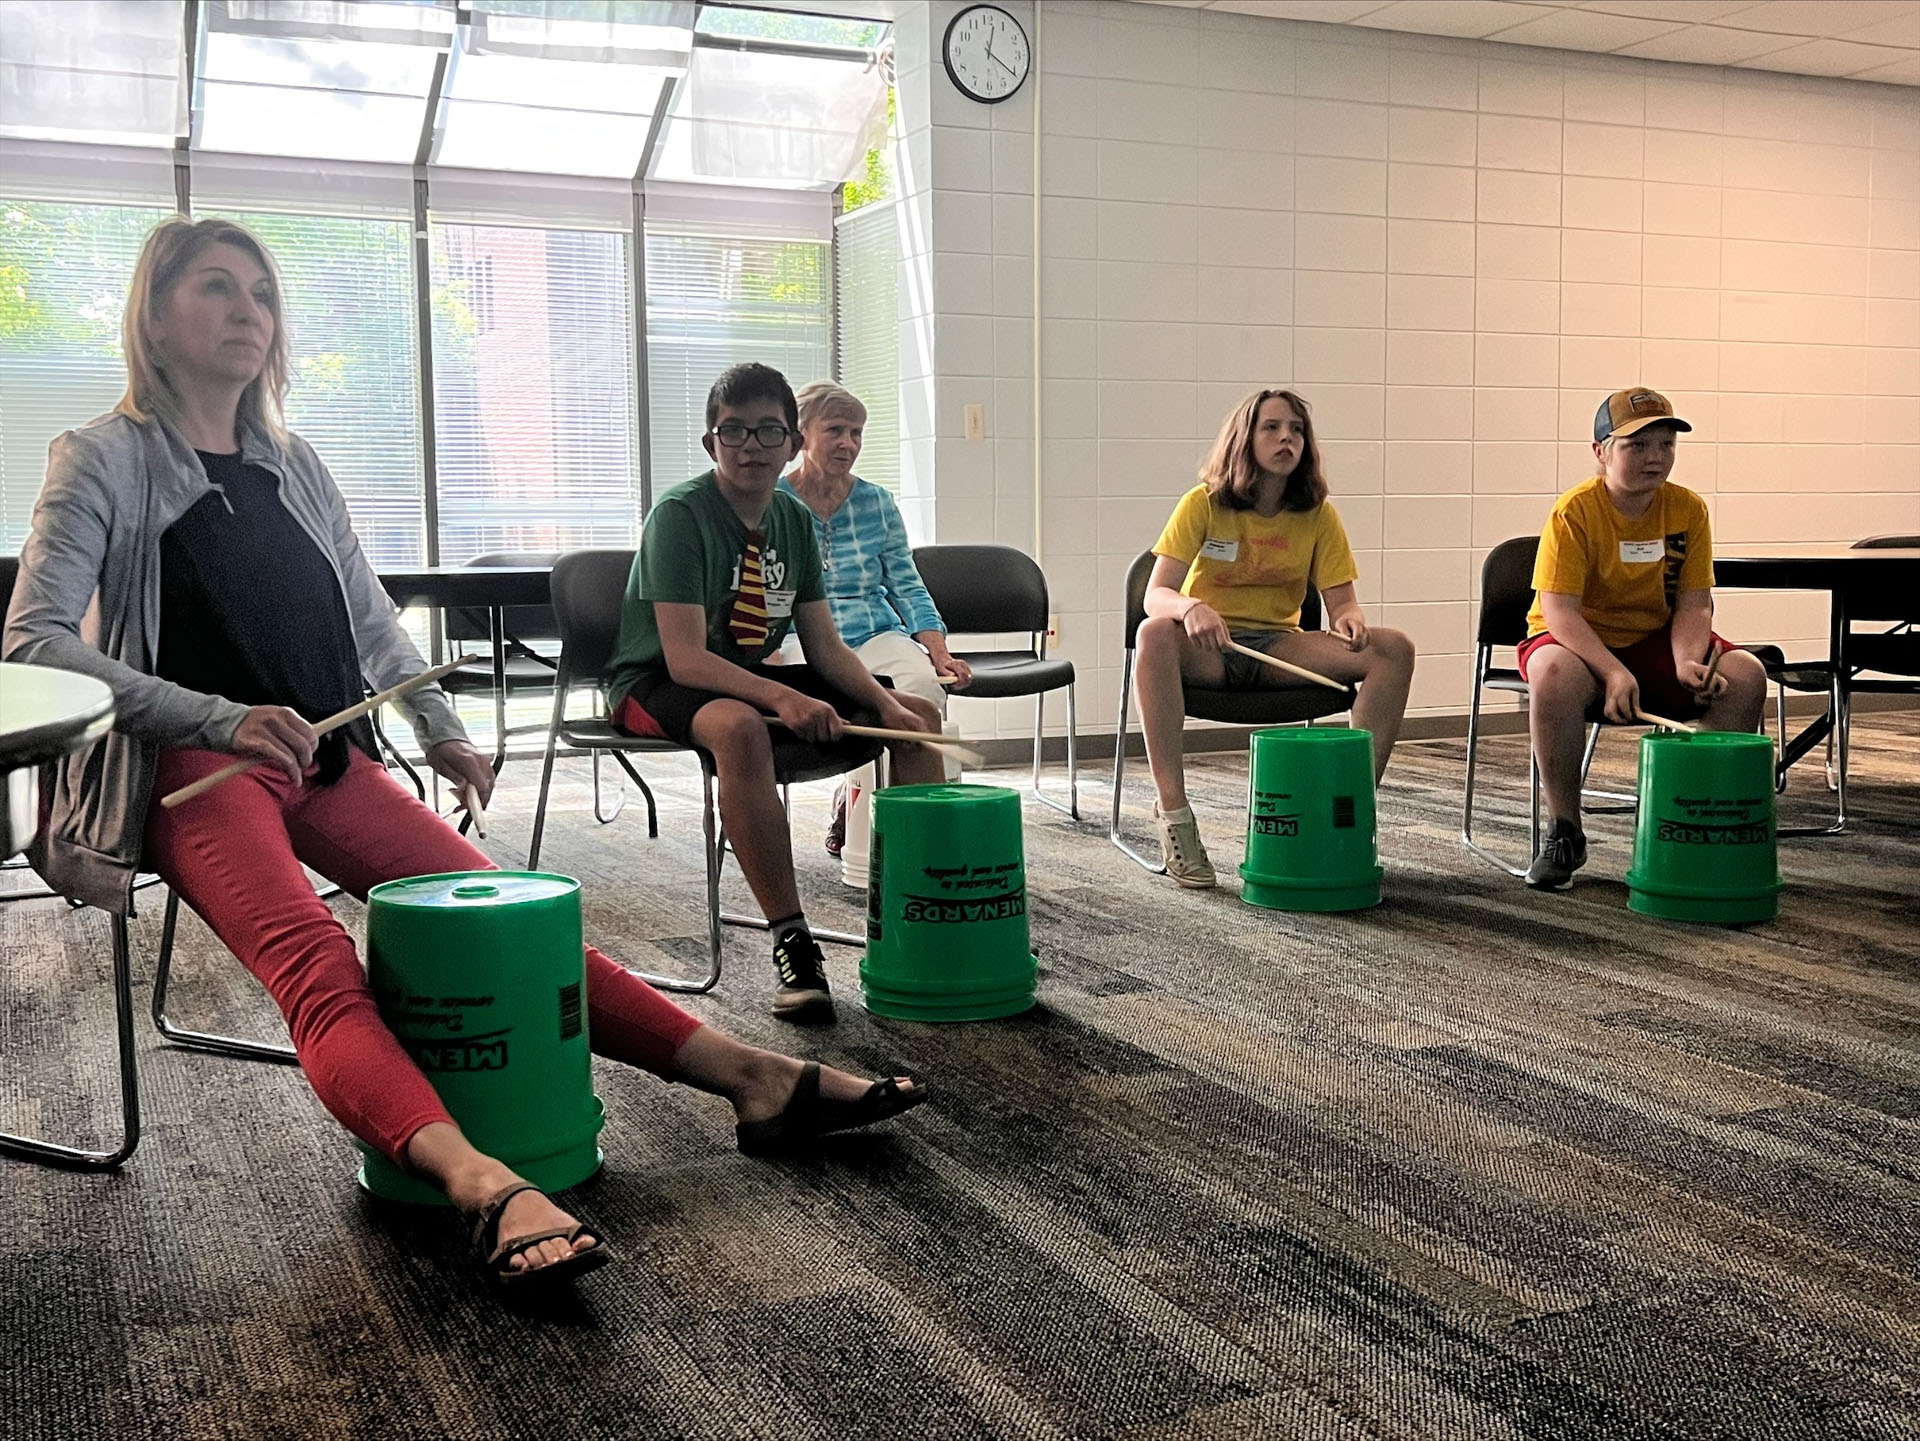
694,550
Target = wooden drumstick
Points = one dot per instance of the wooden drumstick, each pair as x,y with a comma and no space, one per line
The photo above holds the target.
471,799
1285,665
331,723
1665,724
964,754
1713,669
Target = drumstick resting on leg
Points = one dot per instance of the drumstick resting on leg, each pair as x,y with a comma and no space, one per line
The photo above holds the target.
1285,665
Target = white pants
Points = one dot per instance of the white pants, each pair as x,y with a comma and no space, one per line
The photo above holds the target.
898,657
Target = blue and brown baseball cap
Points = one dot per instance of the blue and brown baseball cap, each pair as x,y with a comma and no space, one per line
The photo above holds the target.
1626,411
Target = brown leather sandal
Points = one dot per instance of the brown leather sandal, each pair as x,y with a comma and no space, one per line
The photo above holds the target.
495,1256
808,1115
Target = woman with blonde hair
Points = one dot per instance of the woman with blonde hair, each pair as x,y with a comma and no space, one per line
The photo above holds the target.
234,609
880,605
1234,563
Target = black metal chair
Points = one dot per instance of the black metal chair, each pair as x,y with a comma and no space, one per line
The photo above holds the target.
1893,653
587,590
1265,706
995,589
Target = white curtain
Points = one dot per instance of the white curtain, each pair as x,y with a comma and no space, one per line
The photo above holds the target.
111,72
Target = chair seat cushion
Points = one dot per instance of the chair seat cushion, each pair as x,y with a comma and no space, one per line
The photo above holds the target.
794,762
523,673
1279,705
998,674
1507,680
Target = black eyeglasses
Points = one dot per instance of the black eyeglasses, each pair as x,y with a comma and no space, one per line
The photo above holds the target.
733,434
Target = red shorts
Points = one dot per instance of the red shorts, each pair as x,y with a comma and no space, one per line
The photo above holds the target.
1650,659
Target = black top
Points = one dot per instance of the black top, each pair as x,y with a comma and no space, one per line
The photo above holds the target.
250,608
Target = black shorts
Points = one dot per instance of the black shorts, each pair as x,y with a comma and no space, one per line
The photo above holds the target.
660,708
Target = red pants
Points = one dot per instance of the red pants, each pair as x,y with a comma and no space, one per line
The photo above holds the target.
234,855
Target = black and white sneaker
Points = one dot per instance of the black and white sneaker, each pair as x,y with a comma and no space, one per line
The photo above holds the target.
1562,853
803,993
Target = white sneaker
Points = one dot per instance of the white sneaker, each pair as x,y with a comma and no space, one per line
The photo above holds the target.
1180,848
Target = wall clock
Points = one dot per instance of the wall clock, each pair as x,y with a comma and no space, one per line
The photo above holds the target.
987,53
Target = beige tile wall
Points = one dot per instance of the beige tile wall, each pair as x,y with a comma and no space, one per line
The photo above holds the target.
1453,250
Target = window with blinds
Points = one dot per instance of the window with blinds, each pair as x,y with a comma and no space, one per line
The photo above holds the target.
714,301
534,415
64,271
348,291
866,257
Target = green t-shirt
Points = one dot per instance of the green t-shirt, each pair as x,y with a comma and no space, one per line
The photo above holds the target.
691,549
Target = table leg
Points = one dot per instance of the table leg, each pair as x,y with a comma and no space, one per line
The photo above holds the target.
497,632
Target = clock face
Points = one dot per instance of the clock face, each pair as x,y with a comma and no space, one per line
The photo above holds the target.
987,53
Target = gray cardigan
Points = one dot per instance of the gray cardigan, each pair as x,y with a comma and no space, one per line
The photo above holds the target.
88,600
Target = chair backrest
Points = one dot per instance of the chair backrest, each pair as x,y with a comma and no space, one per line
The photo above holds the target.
9,573
1506,590
1887,600
984,588
588,586
1140,575
1888,542
523,622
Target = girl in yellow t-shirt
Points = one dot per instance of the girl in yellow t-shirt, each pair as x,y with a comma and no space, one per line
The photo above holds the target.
1234,563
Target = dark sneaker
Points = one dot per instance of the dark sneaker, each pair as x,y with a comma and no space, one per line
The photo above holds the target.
1562,853
837,827
803,993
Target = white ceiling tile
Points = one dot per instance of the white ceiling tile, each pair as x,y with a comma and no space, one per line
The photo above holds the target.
1901,30
1327,12
1585,30
1817,17
1680,12
1470,19
1710,45
1829,57
1901,72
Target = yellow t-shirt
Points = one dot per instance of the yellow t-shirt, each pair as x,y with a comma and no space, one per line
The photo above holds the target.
1253,568
1626,572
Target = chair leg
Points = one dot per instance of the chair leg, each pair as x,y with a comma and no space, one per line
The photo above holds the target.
1839,708
1158,867
646,794
52,1153
1072,807
714,848
1627,803
201,1040
546,773
1482,660
605,817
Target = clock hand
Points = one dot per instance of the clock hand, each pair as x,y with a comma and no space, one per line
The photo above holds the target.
998,61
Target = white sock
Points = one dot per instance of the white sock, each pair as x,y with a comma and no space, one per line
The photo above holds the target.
1184,813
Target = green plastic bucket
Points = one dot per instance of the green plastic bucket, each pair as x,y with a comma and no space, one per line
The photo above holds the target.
1310,821
947,905
1704,845
482,976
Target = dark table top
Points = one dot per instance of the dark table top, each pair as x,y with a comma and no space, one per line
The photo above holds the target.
469,585
46,713
1817,567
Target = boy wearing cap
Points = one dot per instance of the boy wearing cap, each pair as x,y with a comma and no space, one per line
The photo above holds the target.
1622,617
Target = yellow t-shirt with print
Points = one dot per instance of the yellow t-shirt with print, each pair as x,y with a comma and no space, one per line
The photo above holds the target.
1254,569
1627,573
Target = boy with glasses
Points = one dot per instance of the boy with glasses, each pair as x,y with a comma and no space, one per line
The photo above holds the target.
727,565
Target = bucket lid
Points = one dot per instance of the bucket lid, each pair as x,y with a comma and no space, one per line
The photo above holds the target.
944,793
1711,740
469,889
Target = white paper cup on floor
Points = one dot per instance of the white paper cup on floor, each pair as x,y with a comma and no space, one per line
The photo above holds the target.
853,851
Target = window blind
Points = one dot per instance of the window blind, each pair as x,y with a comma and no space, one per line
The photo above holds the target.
714,301
534,415
64,271
866,256
355,392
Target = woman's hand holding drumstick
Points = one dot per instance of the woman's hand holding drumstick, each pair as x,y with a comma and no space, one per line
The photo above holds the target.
1286,665
331,723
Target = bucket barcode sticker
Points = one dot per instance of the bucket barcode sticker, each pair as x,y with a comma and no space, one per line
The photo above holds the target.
1343,817
570,1011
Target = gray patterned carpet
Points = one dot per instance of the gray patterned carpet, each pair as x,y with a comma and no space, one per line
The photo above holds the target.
1478,1163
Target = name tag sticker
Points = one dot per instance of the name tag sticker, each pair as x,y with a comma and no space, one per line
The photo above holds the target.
779,604
1221,549
1639,552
